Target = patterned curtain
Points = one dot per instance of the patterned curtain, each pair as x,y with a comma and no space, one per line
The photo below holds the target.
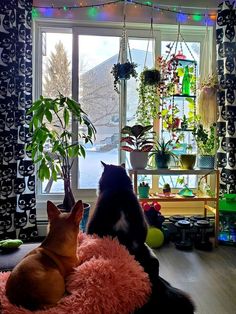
226,98
17,173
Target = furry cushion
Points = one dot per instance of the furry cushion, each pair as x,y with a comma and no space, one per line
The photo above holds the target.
108,281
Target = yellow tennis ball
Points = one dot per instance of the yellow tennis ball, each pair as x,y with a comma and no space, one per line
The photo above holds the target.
155,237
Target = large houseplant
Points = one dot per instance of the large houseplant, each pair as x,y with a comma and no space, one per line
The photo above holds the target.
207,145
51,125
138,140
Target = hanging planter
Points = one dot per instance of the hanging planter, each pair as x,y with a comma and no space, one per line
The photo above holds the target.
151,76
149,100
123,71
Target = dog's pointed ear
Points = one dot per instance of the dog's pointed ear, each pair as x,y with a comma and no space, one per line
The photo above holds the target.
53,211
103,163
123,165
77,212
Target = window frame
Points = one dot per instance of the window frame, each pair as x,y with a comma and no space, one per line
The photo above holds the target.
135,30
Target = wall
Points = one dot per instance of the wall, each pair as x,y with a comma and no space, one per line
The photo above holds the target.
134,13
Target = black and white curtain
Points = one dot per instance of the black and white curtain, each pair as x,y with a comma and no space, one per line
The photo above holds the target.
17,173
226,98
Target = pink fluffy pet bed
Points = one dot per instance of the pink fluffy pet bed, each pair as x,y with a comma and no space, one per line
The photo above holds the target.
107,281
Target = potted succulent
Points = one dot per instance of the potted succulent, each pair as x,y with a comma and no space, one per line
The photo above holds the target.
166,189
207,145
138,140
163,153
123,71
51,125
143,190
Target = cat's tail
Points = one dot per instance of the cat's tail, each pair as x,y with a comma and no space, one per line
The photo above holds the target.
172,300
166,299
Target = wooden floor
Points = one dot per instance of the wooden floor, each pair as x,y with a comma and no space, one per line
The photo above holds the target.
208,277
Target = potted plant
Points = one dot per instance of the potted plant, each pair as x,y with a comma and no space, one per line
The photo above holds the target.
188,160
51,125
123,71
143,190
138,140
166,189
207,145
163,153
151,76
149,100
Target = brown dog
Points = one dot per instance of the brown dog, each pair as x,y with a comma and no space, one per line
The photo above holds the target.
38,281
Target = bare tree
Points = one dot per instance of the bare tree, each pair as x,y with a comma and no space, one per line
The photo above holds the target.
57,76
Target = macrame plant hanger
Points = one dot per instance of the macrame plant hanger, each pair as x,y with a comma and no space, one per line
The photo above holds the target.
150,38
124,46
173,61
206,101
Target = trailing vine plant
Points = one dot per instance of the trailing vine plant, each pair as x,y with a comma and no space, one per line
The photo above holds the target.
149,101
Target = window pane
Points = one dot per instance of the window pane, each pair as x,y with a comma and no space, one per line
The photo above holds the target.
140,50
56,77
97,54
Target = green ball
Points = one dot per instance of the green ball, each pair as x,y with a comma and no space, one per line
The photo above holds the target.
155,237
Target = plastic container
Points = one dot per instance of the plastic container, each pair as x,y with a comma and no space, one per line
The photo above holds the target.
227,225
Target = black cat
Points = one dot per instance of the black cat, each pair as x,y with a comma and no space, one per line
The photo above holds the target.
118,213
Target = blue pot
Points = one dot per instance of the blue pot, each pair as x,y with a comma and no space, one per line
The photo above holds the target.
83,223
206,162
143,191
162,160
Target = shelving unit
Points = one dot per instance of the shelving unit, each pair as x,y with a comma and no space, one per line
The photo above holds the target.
205,199
178,102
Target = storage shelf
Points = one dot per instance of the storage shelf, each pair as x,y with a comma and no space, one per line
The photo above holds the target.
180,96
179,199
172,171
133,173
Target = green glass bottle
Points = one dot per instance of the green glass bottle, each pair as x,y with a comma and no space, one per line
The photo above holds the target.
186,82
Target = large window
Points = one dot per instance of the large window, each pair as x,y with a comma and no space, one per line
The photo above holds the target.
77,61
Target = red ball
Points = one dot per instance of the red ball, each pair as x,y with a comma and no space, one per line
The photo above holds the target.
145,206
157,206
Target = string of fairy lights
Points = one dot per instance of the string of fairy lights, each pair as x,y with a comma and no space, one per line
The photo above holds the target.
94,10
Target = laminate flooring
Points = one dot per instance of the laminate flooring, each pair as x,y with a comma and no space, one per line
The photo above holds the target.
208,277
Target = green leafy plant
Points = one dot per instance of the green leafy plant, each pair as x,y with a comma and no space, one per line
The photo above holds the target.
137,138
123,71
51,128
163,148
149,100
206,140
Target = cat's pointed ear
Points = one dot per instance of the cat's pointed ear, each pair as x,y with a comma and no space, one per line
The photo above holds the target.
53,211
123,165
104,165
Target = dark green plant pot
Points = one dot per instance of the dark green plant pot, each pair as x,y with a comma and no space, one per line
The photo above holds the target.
151,77
187,161
162,160
143,191
206,162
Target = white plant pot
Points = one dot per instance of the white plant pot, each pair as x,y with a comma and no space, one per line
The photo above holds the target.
138,160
